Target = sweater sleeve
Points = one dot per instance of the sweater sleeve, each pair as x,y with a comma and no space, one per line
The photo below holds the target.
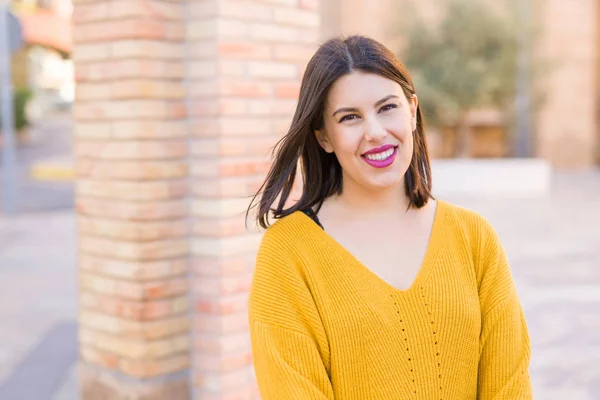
289,343
505,349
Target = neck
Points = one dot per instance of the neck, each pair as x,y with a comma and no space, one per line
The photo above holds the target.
386,202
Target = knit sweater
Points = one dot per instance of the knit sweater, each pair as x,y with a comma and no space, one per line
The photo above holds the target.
323,326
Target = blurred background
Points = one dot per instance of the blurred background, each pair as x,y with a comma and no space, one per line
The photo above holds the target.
137,129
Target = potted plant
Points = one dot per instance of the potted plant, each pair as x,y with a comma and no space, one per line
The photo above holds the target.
465,65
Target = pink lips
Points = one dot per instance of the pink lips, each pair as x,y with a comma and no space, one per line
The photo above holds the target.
381,163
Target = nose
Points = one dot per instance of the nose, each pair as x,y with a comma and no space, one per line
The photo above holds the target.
374,131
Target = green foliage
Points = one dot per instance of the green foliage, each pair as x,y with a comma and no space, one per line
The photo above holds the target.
467,59
21,98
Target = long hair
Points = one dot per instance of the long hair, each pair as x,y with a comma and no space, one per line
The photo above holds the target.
321,171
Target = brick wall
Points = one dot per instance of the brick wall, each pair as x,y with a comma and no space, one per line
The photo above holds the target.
130,156
178,104
246,59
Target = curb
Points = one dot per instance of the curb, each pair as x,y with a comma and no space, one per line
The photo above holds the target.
52,170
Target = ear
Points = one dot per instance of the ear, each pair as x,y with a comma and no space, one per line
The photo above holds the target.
414,104
323,140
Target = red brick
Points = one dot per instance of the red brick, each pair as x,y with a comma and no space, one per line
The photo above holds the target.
201,9
223,286
202,48
133,290
246,10
131,329
147,48
90,12
222,305
218,227
143,271
203,89
210,187
245,89
244,50
221,344
131,170
131,309
222,363
236,168
233,126
149,129
293,52
128,109
272,70
151,368
297,17
205,127
224,380
214,266
134,251
130,68
132,211
131,150
275,33
174,287
89,52
224,324
120,29
232,69
142,8
202,69
204,108
144,89
99,357
133,191
132,231
244,392
287,90
312,5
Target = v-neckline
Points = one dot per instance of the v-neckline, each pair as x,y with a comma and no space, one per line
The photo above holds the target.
433,246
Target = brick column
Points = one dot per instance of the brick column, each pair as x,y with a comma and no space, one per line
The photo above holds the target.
131,167
246,62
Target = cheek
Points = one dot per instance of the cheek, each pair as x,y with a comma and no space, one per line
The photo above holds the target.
346,139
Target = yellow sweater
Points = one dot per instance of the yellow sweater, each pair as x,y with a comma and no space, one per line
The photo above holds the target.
323,326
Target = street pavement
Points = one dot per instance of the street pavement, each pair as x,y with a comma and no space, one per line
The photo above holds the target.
553,244
51,138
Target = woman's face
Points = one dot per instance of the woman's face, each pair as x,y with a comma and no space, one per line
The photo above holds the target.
368,124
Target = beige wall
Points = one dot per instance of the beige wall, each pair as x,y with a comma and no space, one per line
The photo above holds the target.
567,126
366,17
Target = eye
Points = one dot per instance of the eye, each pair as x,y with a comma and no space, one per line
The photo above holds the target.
348,117
388,107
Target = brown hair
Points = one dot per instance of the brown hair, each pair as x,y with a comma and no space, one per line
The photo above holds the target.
321,171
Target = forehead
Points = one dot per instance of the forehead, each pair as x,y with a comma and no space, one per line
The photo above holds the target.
360,88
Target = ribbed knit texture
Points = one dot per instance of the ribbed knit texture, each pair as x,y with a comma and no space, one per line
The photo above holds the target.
323,326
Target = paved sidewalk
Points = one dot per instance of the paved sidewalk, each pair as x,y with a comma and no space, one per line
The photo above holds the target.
553,244
51,140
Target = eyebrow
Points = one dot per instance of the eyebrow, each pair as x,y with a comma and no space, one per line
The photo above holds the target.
348,109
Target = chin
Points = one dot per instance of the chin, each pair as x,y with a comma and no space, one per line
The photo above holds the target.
385,182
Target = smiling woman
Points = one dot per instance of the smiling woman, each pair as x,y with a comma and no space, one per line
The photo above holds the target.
368,287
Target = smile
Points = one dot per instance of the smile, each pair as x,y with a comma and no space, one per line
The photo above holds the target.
382,159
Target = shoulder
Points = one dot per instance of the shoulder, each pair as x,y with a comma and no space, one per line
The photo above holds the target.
467,222
286,244
474,233
286,234
280,280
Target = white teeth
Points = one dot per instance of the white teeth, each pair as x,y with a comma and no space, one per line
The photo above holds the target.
380,156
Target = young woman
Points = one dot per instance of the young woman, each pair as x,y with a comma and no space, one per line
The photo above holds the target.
368,287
